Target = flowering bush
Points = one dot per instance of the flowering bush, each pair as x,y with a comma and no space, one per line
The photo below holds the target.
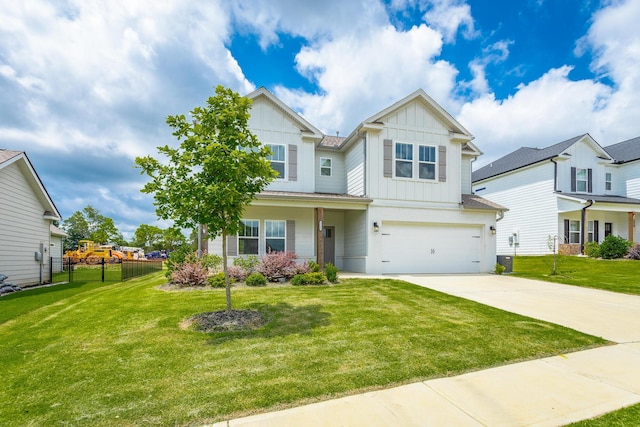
189,274
236,273
634,252
278,264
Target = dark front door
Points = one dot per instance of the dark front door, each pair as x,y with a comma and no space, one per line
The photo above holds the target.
329,245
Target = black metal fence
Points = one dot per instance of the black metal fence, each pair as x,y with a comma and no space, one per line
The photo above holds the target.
64,270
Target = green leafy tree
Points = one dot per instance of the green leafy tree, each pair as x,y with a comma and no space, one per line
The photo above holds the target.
173,238
149,237
215,173
90,224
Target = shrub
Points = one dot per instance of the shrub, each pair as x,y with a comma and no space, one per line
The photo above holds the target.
189,274
278,264
314,267
211,262
592,249
177,257
236,273
248,264
634,252
302,268
499,268
614,247
311,278
256,279
217,280
331,272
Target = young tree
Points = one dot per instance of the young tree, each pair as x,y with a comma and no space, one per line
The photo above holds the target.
215,173
90,224
148,236
172,238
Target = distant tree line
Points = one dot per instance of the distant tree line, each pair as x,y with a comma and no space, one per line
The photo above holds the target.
90,224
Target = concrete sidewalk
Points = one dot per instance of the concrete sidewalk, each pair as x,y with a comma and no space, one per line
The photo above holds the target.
548,392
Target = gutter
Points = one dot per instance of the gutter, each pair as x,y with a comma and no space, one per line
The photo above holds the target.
582,221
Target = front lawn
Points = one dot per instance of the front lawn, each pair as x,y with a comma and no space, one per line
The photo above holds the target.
115,354
617,275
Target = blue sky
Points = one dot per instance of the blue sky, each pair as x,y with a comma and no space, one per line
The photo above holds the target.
86,85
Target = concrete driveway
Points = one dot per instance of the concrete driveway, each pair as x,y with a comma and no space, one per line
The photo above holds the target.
610,315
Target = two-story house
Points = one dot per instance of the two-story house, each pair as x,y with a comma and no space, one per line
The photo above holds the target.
572,192
394,196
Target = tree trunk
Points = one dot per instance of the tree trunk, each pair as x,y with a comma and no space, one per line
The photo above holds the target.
227,282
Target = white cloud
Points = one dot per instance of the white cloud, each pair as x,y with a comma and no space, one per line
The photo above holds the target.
359,74
448,16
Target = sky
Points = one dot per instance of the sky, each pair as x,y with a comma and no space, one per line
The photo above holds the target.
87,85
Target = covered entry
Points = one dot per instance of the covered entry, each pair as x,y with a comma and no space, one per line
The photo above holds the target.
431,248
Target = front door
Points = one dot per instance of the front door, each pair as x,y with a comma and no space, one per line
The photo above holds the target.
329,245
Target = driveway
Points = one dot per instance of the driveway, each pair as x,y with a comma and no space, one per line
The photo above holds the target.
610,315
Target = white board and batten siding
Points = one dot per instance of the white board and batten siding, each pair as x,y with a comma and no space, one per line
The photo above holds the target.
334,183
355,169
533,209
414,124
273,126
22,228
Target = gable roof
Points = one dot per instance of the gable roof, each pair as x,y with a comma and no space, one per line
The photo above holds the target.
306,128
625,151
9,157
526,156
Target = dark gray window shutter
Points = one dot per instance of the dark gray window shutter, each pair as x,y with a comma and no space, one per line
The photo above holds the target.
596,231
291,236
442,163
566,231
573,180
293,162
388,158
232,245
589,180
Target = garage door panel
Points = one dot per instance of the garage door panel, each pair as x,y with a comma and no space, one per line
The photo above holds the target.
415,248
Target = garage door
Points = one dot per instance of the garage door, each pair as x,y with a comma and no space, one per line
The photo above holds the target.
419,248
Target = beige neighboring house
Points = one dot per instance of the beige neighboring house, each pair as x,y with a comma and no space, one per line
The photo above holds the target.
26,216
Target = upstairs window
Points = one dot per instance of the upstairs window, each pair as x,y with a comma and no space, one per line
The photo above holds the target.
404,160
581,180
275,235
277,159
248,237
325,166
607,181
427,162
407,167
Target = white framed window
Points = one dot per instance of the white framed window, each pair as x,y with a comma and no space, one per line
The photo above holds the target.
590,231
325,166
574,231
248,237
607,181
275,235
404,160
426,162
415,161
277,158
581,180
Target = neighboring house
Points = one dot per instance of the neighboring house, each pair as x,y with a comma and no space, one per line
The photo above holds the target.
575,190
26,215
392,197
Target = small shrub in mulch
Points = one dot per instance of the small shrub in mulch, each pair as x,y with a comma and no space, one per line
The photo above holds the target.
225,321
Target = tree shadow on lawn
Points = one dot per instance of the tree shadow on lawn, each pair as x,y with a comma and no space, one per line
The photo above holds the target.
281,319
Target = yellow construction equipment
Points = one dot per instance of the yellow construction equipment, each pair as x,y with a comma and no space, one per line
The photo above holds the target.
91,253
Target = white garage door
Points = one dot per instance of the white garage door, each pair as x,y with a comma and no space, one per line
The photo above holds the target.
419,248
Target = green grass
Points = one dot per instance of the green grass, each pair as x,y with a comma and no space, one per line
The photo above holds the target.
113,354
611,275
622,418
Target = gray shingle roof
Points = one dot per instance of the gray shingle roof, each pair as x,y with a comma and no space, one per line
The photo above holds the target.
471,201
331,141
523,156
625,151
8,154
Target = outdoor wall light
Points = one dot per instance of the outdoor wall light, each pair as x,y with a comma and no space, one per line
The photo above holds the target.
320,225
493,229
376,227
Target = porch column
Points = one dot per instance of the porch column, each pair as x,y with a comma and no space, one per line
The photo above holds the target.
632,226
320,237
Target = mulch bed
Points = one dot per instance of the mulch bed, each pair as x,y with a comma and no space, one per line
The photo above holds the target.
225,321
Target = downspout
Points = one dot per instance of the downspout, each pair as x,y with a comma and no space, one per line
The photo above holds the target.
555,175
582,221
